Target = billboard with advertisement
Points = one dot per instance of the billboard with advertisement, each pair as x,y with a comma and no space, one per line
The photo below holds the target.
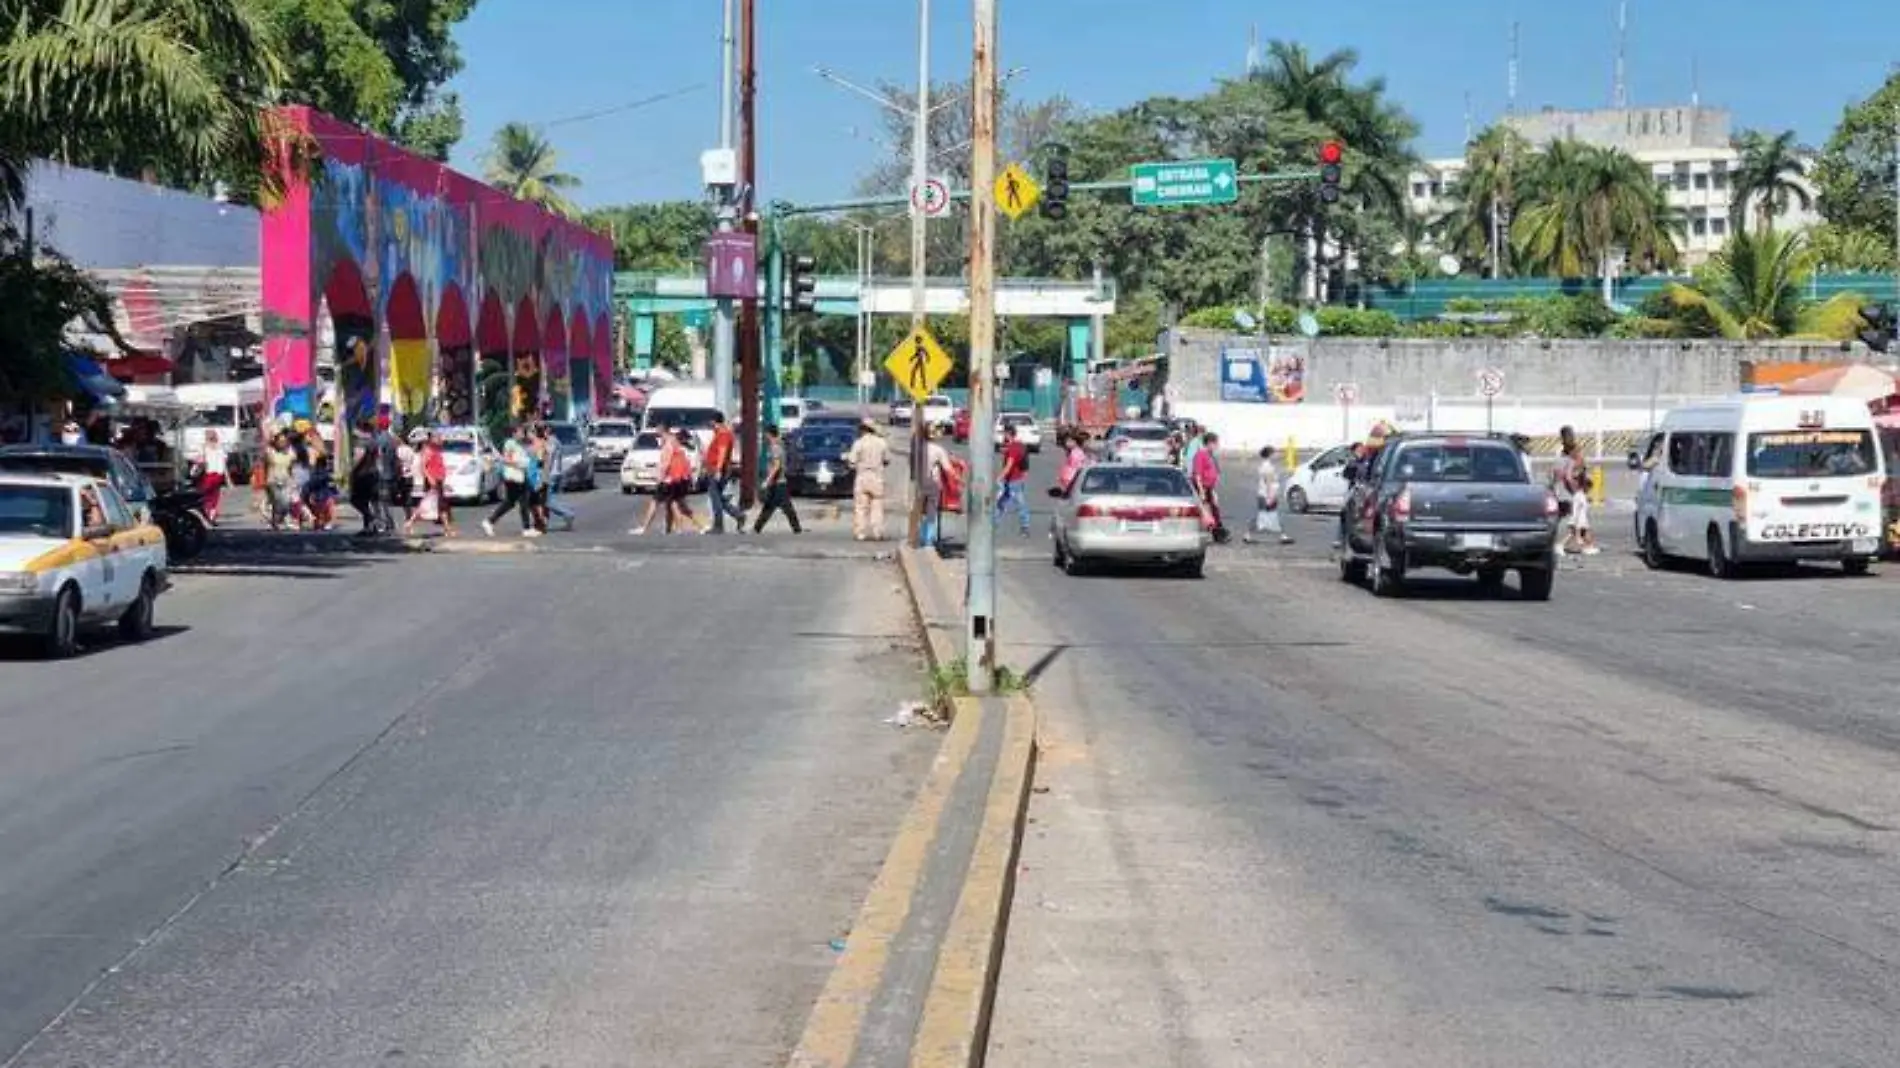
1253,376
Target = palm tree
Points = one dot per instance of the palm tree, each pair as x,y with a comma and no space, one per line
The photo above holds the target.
1753,289
1771,172
180,87
1312,89
522,163
1589,201
1497,166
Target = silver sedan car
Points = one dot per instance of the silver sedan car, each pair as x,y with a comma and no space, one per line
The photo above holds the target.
1136,443
1129,514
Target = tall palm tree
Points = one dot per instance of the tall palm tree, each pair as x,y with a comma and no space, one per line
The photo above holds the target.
1771,173
1310,88
177,86
1589,201
523,164
1497,168
1754,289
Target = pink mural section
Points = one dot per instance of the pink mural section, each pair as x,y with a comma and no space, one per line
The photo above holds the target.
399,249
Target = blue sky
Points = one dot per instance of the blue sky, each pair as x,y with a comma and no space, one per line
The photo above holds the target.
546,60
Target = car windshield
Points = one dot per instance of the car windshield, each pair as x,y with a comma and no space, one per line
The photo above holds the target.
566,433
648,440
1017,418
1140,433
1135,482
613,430
214,415
46,511
683,418
790,409
459,446
1811,454
825,440
1460,463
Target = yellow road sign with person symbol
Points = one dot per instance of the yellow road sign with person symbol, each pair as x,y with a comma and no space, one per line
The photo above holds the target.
1016,192
918,364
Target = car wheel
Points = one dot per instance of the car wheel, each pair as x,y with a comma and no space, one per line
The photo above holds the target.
1296,500
1720,566
1194,567
1072,565
1351,571
1856,565
627,490
1388,576
62,631
1491,581
1536,581
1060,560
1653,557
136,624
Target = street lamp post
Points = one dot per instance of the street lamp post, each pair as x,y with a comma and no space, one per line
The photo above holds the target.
980,603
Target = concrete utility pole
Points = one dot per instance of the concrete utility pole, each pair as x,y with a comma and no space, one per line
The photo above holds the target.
749,309
728,216
919,250
980,605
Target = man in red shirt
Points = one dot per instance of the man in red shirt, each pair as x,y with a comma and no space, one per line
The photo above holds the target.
1015,473
718,467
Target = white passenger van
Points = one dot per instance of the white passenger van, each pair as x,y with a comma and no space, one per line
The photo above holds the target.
235,410
682,406
1762,479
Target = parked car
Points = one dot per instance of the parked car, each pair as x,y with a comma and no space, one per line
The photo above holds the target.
612,438
1130,514
1027,431
640,471
473,461
1319,482
832,420
73,553
1463,503
815,465
902,412
939,411
792,412
1137,443
575,461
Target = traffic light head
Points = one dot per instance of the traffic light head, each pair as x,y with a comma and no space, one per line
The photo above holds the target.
1331,155
804,284
1880,325
1055,191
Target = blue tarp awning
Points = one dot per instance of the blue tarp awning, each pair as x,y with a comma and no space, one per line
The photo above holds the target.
93,378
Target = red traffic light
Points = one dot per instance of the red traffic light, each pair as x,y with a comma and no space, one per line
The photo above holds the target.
1332,152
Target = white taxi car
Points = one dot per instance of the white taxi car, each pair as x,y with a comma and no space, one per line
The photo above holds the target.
72,553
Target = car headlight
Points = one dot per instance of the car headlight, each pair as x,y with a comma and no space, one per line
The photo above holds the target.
18,582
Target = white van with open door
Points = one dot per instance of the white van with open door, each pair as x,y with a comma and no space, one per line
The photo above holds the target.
1761,479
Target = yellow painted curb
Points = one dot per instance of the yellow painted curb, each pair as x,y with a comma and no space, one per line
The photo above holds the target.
954,1030
831,1032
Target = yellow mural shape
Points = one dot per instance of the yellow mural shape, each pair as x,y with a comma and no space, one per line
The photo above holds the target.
409,374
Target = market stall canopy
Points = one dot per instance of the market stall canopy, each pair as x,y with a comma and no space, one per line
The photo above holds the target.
141,365
1859,380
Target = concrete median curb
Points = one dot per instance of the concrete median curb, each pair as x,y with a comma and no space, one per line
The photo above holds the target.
918,974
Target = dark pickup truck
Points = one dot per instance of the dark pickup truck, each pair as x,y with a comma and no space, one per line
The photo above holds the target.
1465,503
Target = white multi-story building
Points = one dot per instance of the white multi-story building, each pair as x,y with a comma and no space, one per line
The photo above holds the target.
1688,149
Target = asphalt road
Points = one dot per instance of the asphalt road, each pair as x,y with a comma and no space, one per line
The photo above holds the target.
589,809
1653,822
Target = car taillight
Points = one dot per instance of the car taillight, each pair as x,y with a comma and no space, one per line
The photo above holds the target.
1402,505
1185,511
1738,497
1089,511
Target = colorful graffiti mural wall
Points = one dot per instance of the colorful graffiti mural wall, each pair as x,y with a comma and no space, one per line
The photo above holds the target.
450,301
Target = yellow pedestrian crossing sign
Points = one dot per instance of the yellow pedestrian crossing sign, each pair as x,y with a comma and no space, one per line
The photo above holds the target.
1016,192
918,364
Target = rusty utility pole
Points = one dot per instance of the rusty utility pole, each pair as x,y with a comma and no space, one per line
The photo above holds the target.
749,308
980,604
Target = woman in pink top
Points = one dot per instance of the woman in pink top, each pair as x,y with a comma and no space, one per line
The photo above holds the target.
1073,460
1206,476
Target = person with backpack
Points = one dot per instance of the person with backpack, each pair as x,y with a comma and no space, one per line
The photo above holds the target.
1015,475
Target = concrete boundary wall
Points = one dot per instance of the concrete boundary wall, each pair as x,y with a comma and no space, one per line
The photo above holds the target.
1389,371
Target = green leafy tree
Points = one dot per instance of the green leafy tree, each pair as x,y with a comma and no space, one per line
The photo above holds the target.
1771,174
1755,289
1840,248
1855,172
1498,165
378,63
666,236
1586,202
523,164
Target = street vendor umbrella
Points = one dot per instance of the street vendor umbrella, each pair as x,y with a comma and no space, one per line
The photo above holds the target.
1857,380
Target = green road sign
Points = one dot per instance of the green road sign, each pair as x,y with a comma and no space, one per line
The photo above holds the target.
1193,181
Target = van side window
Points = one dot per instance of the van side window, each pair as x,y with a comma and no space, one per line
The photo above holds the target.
1702,454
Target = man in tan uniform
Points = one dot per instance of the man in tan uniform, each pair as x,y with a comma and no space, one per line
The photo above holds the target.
868,457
